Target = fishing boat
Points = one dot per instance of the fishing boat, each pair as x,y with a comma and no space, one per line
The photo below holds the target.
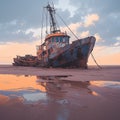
57,51
27,60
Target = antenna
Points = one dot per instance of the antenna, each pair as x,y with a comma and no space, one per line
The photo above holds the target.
53,26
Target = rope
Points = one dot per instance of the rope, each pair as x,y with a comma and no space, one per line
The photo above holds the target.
68,27
42,26
95,61
77,39
46,12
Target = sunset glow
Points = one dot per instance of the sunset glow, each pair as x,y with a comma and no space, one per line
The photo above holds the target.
15,83
20,28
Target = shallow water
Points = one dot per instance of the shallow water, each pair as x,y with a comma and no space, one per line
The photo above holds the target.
32,97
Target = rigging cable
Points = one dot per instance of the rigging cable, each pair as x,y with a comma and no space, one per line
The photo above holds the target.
42,26
95,61
68,27
57,23
77,39
46,12
93,55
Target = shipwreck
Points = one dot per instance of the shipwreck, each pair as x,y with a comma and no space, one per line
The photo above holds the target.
56,50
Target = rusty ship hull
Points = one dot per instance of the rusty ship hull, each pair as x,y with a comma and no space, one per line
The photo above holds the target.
56,50
72,55
27,60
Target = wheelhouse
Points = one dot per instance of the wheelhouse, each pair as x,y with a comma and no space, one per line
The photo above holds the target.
57,40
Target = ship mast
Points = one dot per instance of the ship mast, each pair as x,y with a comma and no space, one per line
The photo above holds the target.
53,26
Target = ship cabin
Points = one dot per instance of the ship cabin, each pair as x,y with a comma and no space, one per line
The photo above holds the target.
56,40
53,42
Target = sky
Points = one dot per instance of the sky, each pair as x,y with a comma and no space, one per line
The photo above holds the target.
20,26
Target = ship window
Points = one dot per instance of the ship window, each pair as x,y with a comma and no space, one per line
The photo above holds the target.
61,39
67,39
57,39
64,39
52,39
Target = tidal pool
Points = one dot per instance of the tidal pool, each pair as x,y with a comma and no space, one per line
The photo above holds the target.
53,98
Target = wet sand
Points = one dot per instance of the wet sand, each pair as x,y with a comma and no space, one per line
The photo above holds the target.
92,73
59,94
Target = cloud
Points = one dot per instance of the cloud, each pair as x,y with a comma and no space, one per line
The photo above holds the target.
118,38
117,44
90,20
98,37
35,32
74,26
66,6
21,21
108,24
19,16
84,34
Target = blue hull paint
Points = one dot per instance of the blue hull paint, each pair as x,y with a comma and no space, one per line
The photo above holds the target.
75,54
71,55
56,50
69,58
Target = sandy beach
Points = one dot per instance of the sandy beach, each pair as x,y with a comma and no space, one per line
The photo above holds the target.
92,73
59,94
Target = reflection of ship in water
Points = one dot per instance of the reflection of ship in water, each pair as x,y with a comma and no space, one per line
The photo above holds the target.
42,88
55,85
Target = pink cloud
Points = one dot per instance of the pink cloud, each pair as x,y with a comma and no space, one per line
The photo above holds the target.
90,20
